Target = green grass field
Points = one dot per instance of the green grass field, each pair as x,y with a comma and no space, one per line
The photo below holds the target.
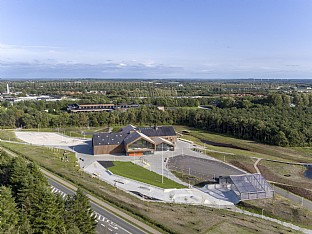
47,157
8,135
132,171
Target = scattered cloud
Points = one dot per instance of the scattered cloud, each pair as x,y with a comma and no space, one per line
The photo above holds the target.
57,62
81,70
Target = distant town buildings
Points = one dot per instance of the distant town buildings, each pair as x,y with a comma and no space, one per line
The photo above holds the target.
98,107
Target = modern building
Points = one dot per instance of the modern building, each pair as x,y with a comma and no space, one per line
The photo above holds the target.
98,107
133,141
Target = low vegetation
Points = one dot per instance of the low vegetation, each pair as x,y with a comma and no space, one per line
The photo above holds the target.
280,208
8,135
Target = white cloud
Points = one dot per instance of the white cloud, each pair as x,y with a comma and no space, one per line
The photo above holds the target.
57,62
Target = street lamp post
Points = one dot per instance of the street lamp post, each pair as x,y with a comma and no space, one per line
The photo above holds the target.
189,177
162,163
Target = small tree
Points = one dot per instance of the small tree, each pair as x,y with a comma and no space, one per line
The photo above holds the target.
79,213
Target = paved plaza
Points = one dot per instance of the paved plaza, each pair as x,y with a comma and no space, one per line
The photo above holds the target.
48,139
146,191
205,169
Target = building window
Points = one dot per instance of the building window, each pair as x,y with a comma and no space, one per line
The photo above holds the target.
141,144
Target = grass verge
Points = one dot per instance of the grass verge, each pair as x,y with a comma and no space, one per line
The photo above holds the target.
279,208
8,135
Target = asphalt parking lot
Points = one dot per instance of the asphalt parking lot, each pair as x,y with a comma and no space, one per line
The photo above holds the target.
202,168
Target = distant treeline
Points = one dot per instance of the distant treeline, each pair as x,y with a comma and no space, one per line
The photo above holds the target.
27,204
136,88
278,119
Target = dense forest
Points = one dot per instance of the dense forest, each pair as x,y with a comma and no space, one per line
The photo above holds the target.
27,204
150,88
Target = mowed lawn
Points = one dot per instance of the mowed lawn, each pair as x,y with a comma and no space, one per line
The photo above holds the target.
132,171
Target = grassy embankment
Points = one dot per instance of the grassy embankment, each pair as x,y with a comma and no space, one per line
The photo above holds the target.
244,158
135,172
171,218
249,151
279,207
8,135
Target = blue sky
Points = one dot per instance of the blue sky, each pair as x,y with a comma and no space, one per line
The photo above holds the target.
156,39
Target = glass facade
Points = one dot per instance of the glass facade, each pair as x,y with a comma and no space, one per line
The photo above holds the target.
164,147
141,144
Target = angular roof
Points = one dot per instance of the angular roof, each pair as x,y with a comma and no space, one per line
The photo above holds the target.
159,140
135,136
89,105
130,133
158,131
131,137
250,183
113,138
128,128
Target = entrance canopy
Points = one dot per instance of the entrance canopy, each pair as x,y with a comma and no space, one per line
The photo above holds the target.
163,144
251,186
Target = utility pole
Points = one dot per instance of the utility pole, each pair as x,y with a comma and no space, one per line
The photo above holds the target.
189,177
162,163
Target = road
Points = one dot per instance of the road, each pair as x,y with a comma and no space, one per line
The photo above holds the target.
107,222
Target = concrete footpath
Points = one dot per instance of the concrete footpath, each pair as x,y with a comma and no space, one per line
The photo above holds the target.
183,195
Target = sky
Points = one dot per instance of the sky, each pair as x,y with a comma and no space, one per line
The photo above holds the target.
208,39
